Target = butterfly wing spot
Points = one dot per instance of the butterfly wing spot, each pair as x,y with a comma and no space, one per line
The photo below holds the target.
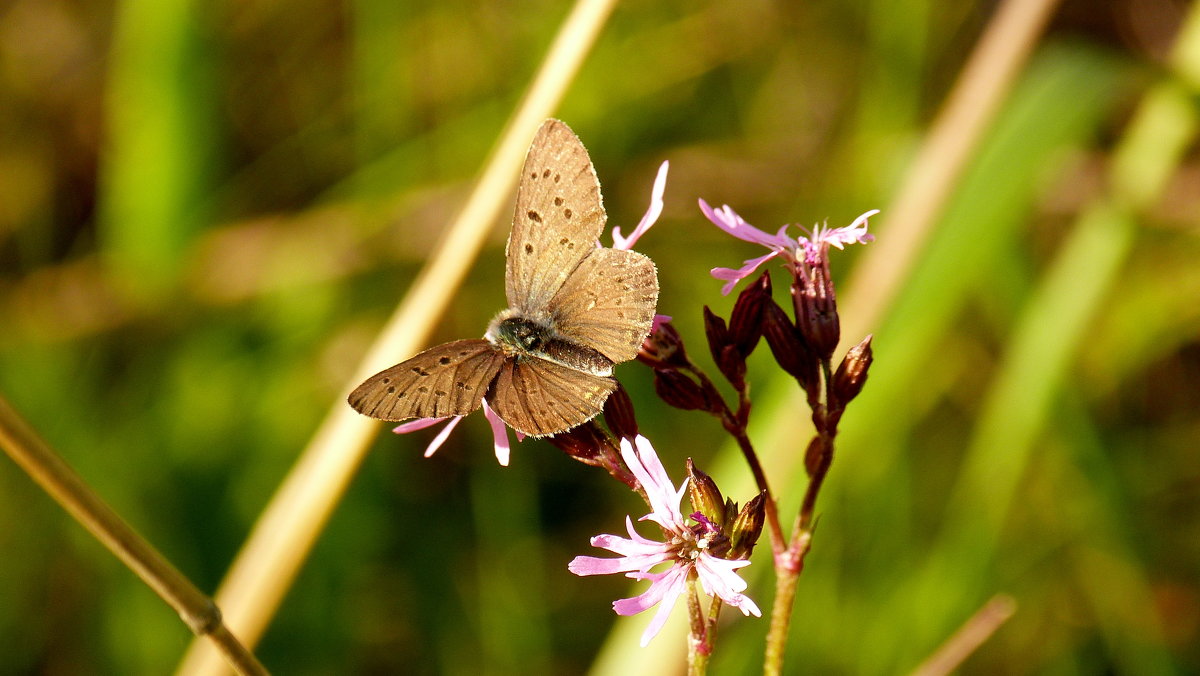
439,393
545,173
534,216
385,381
557,177
558,201
528,248
423,390
444,360
391,390
568,213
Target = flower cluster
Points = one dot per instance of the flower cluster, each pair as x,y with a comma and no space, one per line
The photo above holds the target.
696,551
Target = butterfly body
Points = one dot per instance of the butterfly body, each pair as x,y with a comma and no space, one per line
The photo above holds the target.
523,337
574,311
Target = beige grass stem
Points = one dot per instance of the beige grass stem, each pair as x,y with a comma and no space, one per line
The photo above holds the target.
951,654
287,529
70,491
981,88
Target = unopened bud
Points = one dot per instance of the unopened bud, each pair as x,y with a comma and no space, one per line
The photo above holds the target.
583,443
745,321
706,497
663,348
788,346
816,456
730,361
746,528
851,374
680,391
618,414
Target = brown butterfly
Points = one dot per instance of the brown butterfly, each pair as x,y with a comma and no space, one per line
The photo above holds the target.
574,310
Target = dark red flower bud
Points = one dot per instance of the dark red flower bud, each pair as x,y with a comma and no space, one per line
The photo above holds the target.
816,310
745,322
851,374
706,497
746,528
788,346
618,414
590,445
663,348
680,391
816,455
730,361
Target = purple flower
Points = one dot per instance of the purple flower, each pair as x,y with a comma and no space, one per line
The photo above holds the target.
809,250
499,432
652,214
685,549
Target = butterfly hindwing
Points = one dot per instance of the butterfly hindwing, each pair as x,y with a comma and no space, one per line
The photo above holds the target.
608,303
557,220
446,380
537,397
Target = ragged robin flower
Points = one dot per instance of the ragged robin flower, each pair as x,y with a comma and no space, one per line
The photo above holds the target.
687,549
801,254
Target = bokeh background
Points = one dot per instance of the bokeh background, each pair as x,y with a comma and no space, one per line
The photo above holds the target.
207,210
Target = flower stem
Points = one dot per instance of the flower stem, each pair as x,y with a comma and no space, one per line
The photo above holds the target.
67,488
699,640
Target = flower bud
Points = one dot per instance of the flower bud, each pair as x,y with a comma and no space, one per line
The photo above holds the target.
582,442
680,391
788,346
746,528
816,310
618,414
745,321
663,348
851,374
706,497
730,361
816,455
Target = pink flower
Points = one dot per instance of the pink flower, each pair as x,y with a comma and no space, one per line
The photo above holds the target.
807,250
499,432
685,549
652,214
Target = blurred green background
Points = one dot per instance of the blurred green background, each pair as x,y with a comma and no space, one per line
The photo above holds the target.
207,210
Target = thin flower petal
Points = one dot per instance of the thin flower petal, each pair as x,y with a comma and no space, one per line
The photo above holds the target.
664,590
718,578
499,434
442,436
652,214
732,277
728,220
414,425
649,471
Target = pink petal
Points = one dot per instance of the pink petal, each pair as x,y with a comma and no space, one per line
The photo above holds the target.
442,436
649,471
414,425
735,276
728,220
718,578
652,214
664,590
499,434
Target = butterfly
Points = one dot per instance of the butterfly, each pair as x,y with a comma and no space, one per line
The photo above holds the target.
575,310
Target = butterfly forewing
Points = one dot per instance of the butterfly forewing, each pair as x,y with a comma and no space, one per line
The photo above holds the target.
446,380
608,303
538,397
557,220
